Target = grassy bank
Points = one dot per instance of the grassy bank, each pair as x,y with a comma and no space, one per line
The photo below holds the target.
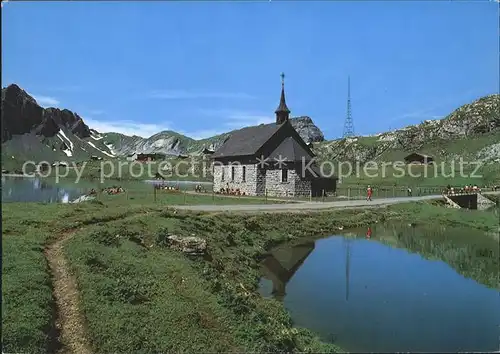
427,176
478,260
144,193
146,196
28,307
138,295
465,240
433,214
494,198
191,169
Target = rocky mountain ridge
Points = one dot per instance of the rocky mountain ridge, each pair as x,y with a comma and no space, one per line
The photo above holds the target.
470,121
21,114
30,132
172,143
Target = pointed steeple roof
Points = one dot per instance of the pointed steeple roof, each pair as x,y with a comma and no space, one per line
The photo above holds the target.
282,106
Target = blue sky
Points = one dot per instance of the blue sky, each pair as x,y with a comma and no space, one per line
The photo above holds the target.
202,68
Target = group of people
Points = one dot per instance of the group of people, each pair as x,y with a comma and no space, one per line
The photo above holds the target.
113,190
107,190
463,190
230,191
167,188
472,189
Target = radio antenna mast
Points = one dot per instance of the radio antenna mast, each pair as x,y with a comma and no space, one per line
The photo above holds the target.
349,124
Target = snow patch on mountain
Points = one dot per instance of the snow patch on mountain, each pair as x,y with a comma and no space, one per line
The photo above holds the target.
95,147
61,134
110,147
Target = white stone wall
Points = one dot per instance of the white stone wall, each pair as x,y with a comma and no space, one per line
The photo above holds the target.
483,203
258,181
249,186
261,181
295,186
302,185
276,188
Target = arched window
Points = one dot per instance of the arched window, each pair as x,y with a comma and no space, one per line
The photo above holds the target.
284,175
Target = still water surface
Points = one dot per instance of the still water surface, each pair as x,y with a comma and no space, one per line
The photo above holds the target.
367,296
32,189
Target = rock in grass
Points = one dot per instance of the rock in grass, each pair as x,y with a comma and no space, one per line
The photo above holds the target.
83,198
190,245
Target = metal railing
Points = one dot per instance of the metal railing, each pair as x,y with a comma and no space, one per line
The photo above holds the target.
184,194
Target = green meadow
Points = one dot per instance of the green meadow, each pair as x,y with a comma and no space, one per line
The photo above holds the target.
138,295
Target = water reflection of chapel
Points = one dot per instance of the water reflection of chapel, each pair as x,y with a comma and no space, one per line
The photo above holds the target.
281,265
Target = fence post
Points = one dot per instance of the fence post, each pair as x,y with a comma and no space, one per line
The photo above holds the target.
265,196
322,195
185,196
154,193
310,195
349,193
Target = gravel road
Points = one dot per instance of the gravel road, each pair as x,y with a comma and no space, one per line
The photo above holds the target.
308,206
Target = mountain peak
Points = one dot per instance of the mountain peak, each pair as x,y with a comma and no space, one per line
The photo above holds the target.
12,87
22,115
14,92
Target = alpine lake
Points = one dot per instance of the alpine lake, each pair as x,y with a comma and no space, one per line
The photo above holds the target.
392,288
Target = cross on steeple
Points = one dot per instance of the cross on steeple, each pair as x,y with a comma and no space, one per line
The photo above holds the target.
282,112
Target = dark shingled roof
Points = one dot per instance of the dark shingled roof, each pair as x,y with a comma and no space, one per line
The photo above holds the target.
247,141
290,150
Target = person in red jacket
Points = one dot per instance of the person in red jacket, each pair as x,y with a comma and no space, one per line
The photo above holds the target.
369,193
